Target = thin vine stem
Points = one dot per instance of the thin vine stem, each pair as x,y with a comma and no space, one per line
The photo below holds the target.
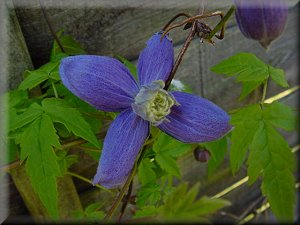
88,181
180,56
50,26
265,86
129,179
222,22
54,89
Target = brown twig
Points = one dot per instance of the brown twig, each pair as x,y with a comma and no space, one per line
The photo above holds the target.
180,55
127,199
50,26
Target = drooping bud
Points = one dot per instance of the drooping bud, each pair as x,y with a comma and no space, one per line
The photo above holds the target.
201,154
261,20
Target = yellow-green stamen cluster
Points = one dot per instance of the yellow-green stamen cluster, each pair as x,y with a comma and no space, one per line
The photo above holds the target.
153,103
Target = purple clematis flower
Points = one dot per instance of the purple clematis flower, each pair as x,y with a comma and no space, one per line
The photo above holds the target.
107,84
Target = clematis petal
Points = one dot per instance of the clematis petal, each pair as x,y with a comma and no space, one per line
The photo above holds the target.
123,141
156,60
101,81
195,119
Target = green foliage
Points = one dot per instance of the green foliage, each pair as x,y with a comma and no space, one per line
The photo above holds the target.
41,161
270,156
166,151
35,77
62,112
91,213
217,150
70,46
249,70
35,122
148,194
182,204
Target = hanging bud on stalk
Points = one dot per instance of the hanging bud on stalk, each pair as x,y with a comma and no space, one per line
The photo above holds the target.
261,20
201,154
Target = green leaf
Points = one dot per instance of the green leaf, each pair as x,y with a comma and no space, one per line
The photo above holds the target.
278,76
65,160
280,115
218,150
35,77
246,122
271,156
246,66
70,46
16,98
182,204
18,121
148,194
129,65
170,146
37,142
146,173
248,87
146,211
205,205
63,113
168,164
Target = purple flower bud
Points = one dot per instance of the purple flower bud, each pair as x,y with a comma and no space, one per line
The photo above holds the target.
261,20
201,154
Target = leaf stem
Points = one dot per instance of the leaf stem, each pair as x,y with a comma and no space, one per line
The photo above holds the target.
119,198
265,86
50,26
221,23
54,89
180,56
88,181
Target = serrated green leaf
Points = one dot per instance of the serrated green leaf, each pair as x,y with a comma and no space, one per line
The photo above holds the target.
146,173
218,150
37,142
35,77
246,66
62,112
169,146
278,76
205,205
182,203
16,98
65,160
280,115
167,163
92,207
148,194
246,122
276,163
18,121
146,211
248,87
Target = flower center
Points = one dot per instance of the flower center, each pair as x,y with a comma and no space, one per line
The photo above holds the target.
153,103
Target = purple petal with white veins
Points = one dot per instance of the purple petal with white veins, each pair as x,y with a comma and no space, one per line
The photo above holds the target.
195,119
122,143
156,60
101,81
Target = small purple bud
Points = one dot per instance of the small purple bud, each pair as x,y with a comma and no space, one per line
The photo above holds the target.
201,154
261,20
